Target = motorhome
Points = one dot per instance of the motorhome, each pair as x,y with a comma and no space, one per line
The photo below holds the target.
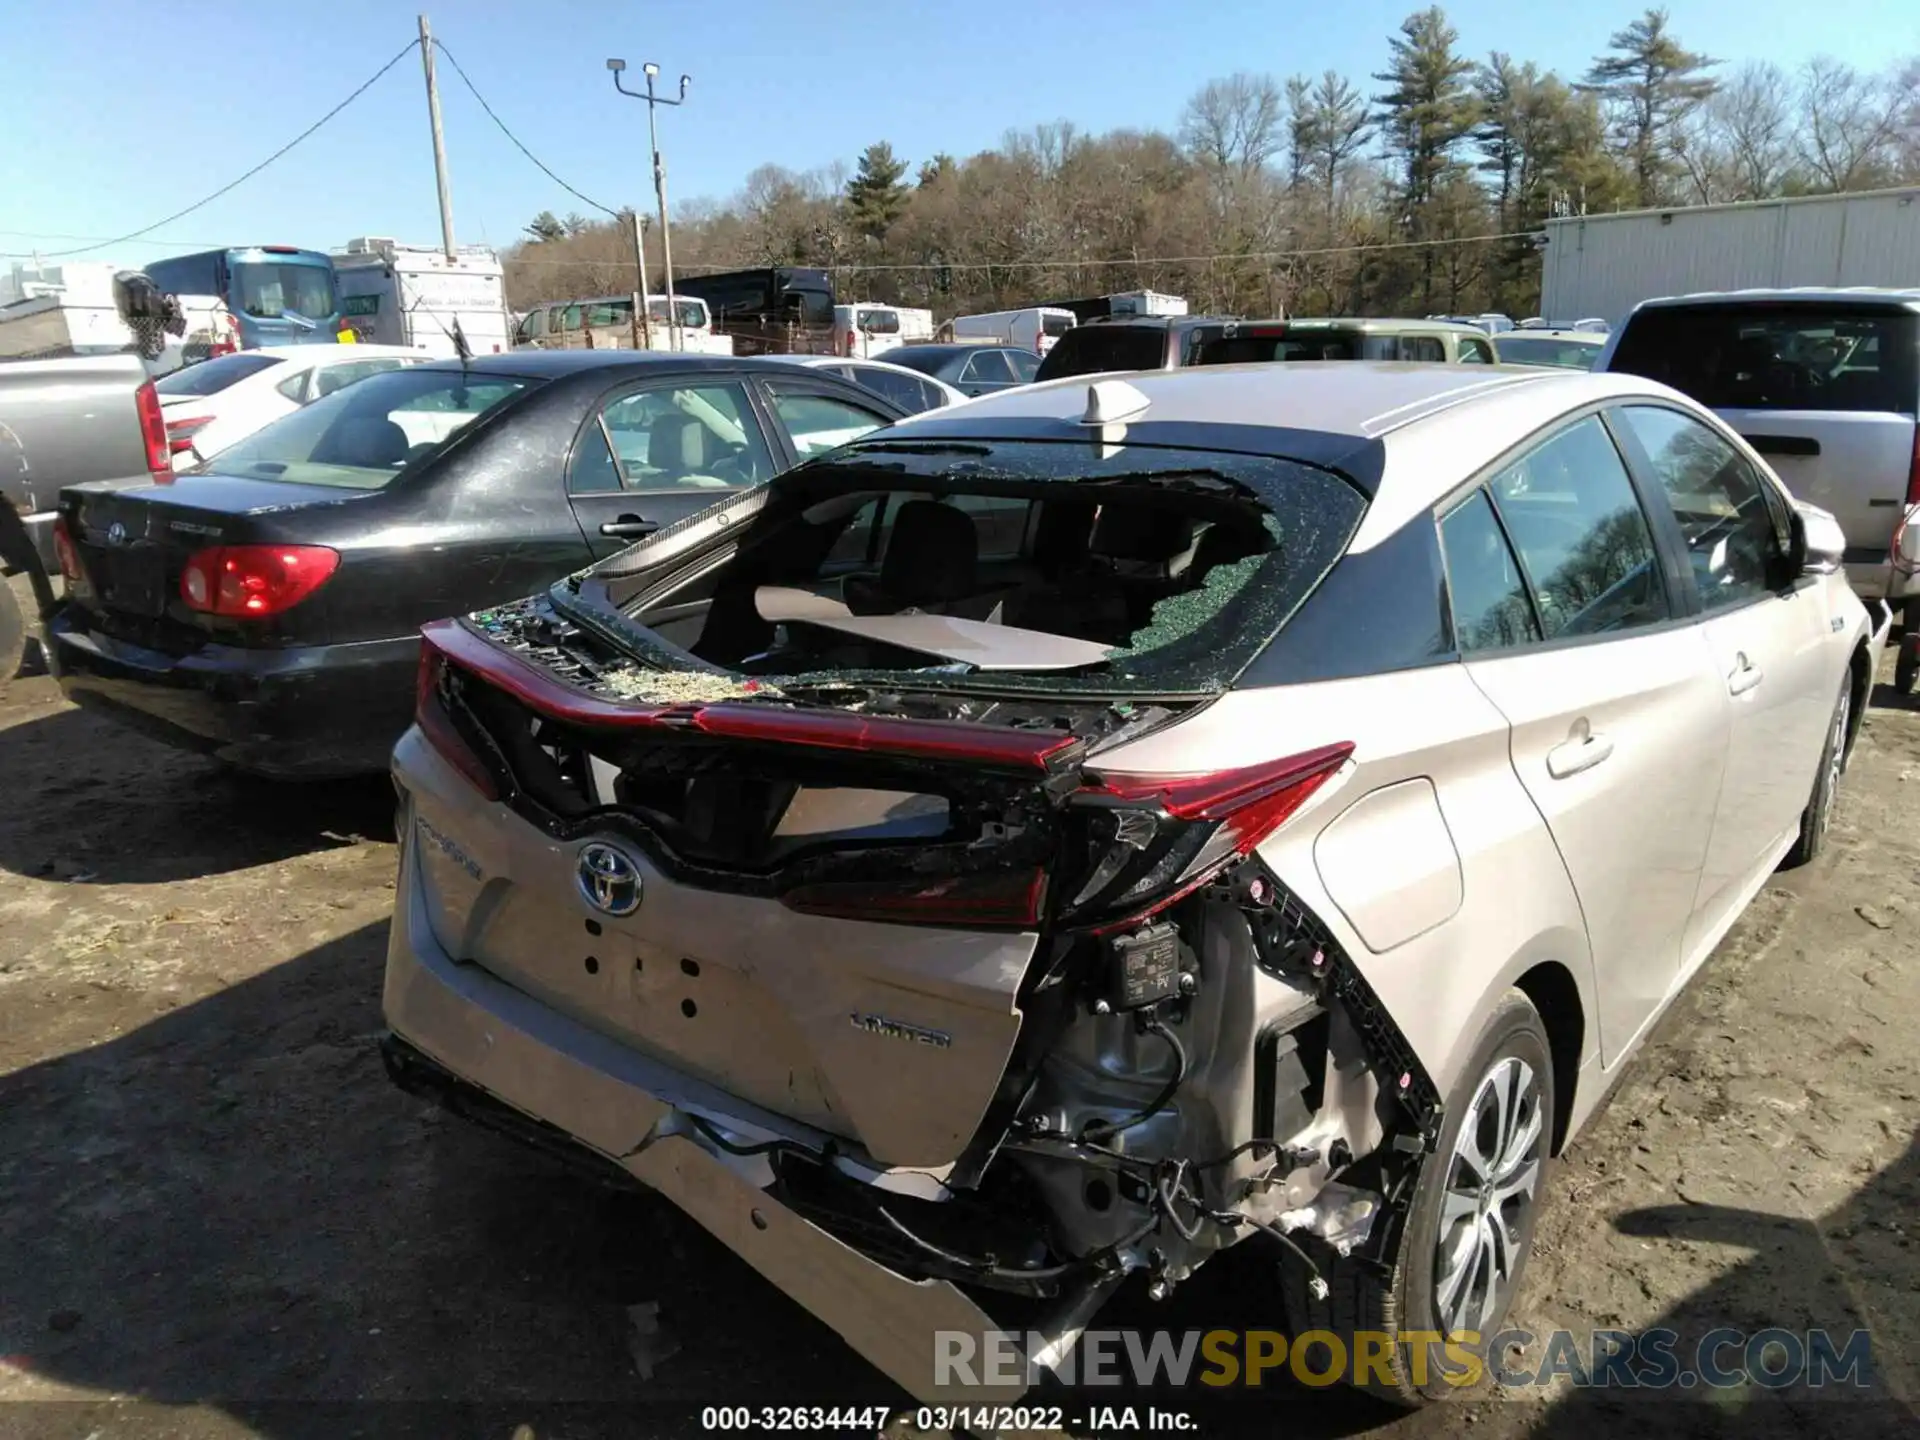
417,296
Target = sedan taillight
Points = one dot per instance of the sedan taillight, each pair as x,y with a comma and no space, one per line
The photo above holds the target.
255,582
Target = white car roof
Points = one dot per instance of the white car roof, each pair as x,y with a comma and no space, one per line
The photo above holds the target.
320,351
1438,424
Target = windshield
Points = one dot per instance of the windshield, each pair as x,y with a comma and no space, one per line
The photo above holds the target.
1136,569
210,377
1096,349
365,435
1518,349
1055,325
692,314
1778,357
269,291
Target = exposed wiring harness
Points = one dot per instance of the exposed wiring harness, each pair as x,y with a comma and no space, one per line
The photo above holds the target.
1105,1128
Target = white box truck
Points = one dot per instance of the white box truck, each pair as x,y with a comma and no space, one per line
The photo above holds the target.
1604,265
1034,328
411,295
865,329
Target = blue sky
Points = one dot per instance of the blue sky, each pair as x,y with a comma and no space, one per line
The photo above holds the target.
96,139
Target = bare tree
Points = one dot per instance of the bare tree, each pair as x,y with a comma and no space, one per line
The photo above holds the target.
1235,125
1852,125
1753,113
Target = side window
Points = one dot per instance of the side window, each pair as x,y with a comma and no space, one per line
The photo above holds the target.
1491,610
693,437
1475,351
819,423
989,367
1582,537
906,391
851,548
294,387
1422,347
1024,366
1732,531
593,472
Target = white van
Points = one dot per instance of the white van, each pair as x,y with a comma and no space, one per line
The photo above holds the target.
412,296
1035,328
863,330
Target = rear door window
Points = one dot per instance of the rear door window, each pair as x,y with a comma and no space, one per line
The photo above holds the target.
1779,357
1491,610
906,391
674,438
1025,366
1583,540
1425,348
819,423
1734,523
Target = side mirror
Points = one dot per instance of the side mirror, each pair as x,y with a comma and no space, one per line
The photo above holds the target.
1817,543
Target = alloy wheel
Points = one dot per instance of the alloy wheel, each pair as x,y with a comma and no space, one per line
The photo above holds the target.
1493,1177
1836,760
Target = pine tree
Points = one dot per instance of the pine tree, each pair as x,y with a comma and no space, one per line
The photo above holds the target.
932,172
1426,112
875,196
546,226
1651,84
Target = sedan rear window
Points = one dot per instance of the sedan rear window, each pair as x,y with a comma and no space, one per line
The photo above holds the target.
1778,357
1138,569
366,435
210,377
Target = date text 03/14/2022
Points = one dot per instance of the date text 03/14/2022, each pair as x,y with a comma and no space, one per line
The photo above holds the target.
948,1419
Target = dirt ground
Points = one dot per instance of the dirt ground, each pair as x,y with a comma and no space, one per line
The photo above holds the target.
217,1218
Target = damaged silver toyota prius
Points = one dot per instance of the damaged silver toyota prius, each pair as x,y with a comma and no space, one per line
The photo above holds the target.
1245,814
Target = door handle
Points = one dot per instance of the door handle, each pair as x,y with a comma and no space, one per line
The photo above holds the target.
1583,752
1745,677
629,527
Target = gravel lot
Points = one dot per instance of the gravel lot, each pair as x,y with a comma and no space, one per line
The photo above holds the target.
217,1219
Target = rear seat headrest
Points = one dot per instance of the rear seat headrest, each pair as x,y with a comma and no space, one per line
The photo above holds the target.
1141,532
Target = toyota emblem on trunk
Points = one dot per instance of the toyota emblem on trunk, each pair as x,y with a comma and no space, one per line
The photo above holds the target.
608,880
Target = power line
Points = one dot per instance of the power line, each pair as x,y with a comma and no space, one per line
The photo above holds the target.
468,82
198,204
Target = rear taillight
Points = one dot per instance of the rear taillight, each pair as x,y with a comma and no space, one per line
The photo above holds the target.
153,430
989,901
64,552
430,715
180,433
853,343
1155,839
1913,471
254,582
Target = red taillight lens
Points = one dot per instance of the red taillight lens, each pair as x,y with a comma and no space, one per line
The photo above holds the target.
153,430
254,582
180,433
63,550
853,343
1913,471
995,901
430,714
1156,839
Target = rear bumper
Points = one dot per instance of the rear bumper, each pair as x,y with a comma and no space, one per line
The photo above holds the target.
499,1056
309,712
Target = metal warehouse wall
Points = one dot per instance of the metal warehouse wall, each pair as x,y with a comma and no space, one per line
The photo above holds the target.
1606,264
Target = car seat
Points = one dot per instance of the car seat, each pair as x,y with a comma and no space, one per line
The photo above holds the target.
370,442
933,558
683,450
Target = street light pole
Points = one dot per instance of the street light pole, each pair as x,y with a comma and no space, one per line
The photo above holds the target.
651,71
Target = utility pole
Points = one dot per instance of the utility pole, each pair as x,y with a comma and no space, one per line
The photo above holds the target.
643,317
651,71
439,141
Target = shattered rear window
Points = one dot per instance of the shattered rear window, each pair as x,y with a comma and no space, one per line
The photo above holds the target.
1056,567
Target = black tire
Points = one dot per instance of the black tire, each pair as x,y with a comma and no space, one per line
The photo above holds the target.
1360,1301
1817,818
13,632
1906,666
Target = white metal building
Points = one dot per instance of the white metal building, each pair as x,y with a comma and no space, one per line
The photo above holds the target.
1604,265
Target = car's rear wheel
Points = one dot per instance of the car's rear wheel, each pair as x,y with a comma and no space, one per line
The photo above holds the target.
1906,664
1459,1257
1817,818
13,633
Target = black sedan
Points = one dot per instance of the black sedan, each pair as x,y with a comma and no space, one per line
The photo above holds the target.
970,369
265,607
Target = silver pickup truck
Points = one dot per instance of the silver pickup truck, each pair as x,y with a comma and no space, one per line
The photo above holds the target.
71,421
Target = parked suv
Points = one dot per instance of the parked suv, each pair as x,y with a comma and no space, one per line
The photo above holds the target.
1169,342
1826,385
